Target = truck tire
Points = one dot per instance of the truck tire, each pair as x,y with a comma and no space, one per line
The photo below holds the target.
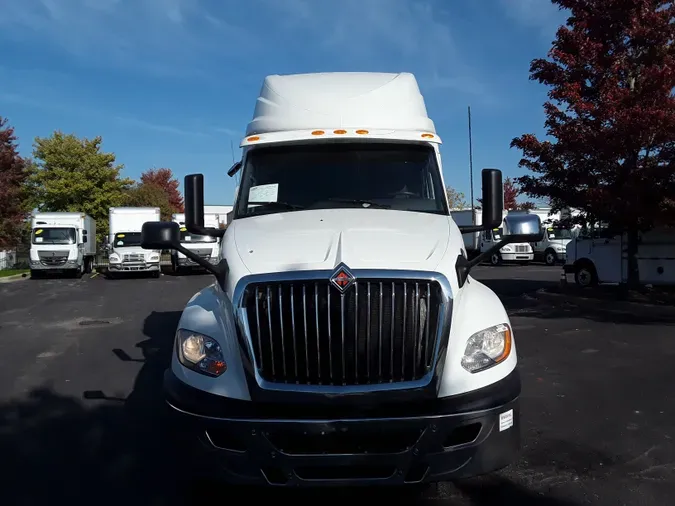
550,257
495,259
585,275
88,264
156,274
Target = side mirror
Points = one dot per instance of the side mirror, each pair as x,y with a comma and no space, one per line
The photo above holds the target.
234,169
493,198
194,207
160,235
523,228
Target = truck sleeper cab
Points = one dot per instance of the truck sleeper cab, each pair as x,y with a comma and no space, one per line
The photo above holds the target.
344,341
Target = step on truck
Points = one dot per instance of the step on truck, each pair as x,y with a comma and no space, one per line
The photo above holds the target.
482,240
206,246
125,254
344,340
62,243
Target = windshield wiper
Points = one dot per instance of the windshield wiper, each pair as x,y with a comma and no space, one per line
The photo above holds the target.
363,203
276,203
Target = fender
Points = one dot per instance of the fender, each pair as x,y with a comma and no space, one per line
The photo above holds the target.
475,308
209,312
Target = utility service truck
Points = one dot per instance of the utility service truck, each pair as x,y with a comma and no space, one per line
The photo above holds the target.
206,246
482,240
344,340
125,253
62,242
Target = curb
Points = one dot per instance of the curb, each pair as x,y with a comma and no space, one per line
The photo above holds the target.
609,305
15,277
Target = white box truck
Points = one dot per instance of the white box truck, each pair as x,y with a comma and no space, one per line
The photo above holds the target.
125,254
344,340
206,246
62,242
480,241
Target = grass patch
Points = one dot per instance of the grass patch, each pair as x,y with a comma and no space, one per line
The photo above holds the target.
12,272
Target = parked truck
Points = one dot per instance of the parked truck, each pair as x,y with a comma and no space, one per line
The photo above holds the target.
62,242
344,340
125,254
206,246
480,241
552,247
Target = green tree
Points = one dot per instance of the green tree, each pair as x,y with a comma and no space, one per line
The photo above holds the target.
150,195
75,175
456,199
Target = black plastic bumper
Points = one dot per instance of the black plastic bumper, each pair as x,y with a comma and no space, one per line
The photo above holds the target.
247,443
568,269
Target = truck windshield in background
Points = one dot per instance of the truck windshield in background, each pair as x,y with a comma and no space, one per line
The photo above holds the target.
54,235
127,239
559,233
186,236
402,177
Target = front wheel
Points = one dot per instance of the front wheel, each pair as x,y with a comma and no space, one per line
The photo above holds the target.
585,275
550,257
156,274
495,259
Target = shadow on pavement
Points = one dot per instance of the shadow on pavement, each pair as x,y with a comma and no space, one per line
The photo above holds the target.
59,450
521,299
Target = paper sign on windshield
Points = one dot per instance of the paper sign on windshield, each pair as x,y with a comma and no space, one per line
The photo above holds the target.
263,193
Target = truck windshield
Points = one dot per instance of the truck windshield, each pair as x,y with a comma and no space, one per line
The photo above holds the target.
186,236
402,177
126,239
559,233
54,235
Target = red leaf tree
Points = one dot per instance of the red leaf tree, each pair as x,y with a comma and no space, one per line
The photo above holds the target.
164,179
610,117
13,197
511,193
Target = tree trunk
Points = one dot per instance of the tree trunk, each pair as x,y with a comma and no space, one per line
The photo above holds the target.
633,277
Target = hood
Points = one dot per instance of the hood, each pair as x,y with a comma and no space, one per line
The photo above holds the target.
360,238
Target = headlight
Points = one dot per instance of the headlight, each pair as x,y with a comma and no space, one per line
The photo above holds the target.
560,249
506,248
200,353
487,348
154,257
114,258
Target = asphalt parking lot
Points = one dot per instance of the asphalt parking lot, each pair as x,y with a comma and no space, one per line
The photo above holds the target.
81,417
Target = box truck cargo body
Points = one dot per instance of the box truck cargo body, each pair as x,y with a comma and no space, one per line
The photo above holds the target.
124,241
344,340
62,242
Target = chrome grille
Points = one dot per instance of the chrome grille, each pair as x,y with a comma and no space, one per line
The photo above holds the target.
378,331
53,258
521,248
133,257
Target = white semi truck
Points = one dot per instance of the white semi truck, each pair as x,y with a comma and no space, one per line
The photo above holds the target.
206,246
125,254
62,242
344,340
480,241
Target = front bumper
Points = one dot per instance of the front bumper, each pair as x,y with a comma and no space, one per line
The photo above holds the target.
517,257
308,445
37,265
133,267
186,262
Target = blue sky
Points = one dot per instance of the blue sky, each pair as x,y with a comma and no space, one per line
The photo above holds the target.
172,83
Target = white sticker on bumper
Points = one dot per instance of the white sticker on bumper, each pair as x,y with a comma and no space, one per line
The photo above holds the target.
506,420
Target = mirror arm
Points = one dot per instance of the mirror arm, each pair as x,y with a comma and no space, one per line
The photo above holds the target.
208,231
463,265
468,229
219,270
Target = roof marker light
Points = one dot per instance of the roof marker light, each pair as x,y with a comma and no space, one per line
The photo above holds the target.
340,132
427,136
318,132
362,132
253,138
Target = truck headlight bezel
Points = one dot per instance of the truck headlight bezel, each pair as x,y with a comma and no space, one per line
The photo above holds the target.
114,258
200,353
487,348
